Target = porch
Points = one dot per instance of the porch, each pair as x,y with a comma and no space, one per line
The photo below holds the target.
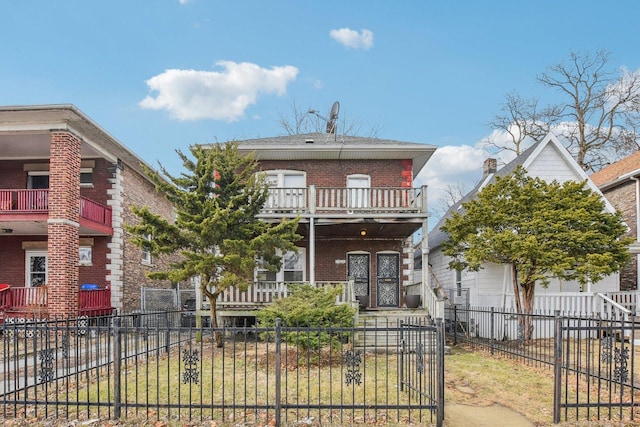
18,206
338,201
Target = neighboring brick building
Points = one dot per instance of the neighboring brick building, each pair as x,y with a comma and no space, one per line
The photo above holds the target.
357,206
620,184
66,192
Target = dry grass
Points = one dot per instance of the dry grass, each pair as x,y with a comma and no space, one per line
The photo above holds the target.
472,378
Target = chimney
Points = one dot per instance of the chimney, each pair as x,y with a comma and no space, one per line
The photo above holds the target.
490,166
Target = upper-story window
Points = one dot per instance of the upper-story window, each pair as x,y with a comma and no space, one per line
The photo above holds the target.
146,251
86,177
359,190
287,189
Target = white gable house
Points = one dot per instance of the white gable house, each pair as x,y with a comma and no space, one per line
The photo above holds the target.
492,285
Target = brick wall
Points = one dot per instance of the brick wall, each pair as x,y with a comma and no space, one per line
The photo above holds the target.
332,173
137,191
62,228
623,198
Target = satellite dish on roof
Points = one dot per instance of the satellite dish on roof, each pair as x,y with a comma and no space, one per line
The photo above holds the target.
333,117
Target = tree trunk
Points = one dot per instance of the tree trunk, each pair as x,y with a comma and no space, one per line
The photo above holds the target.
528,291
213,297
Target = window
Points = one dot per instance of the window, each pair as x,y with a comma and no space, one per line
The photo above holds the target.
358,186
286,189
36,271
38,180
459,282
85,254
293,269
86,177
146,251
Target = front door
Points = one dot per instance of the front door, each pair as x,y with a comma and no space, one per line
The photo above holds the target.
358,270
388,279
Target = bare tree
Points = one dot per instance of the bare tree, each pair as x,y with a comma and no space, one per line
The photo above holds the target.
300,121
518,119
451,195
600,108
597,119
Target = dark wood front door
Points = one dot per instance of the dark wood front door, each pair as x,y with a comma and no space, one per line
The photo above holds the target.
358,270
388,280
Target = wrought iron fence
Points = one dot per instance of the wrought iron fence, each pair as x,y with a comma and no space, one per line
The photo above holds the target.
593,358
145,365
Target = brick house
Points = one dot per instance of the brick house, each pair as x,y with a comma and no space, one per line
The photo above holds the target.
620,183
66,192
358,211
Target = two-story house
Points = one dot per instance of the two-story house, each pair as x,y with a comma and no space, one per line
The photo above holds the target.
620,183
66,191
358,210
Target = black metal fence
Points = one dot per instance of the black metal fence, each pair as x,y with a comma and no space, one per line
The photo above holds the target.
145,366
593,359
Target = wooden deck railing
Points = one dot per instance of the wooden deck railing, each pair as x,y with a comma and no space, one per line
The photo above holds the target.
37,201
345,200
262,293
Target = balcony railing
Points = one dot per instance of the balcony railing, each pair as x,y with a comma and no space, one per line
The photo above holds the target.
37,201
346,200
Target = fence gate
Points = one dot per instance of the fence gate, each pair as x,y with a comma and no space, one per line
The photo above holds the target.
138,369
594,370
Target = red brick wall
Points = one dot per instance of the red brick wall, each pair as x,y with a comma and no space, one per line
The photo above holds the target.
13,258
64,197
332,173
97,271
140,192
623,198
101,177
12,174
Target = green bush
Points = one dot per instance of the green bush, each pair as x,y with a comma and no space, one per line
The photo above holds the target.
313,309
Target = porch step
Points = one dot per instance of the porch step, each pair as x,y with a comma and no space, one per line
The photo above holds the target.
381,329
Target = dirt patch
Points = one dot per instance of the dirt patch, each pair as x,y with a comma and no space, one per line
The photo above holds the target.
457,415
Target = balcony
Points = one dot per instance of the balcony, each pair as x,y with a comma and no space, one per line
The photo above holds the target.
331,200
22,203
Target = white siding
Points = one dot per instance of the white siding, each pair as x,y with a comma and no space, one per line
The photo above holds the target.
550,165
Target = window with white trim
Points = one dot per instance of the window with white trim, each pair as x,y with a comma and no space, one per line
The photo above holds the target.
359,190
293,269
85,255
286,189
146,251
86,177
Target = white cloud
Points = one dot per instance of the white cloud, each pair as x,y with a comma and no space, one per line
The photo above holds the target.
353,39
451,165
218,95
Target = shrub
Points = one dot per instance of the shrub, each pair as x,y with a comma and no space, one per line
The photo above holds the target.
312,308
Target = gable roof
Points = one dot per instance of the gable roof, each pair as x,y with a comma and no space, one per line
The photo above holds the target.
326,146
530,158
617,172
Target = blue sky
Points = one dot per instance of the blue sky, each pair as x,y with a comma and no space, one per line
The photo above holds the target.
164,74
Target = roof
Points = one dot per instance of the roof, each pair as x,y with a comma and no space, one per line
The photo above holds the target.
30,120
526,158
617,172
327,146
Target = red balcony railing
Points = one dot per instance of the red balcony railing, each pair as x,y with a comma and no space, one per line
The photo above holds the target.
37,201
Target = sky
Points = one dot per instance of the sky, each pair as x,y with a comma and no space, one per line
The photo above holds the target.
161,75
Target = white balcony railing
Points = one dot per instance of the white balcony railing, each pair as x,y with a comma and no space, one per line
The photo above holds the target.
345,200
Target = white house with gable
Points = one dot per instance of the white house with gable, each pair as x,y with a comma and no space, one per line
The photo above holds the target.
492,285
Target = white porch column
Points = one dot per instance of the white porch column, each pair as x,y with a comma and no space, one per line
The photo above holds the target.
312,251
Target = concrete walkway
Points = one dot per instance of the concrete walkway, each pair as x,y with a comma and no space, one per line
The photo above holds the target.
495,415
